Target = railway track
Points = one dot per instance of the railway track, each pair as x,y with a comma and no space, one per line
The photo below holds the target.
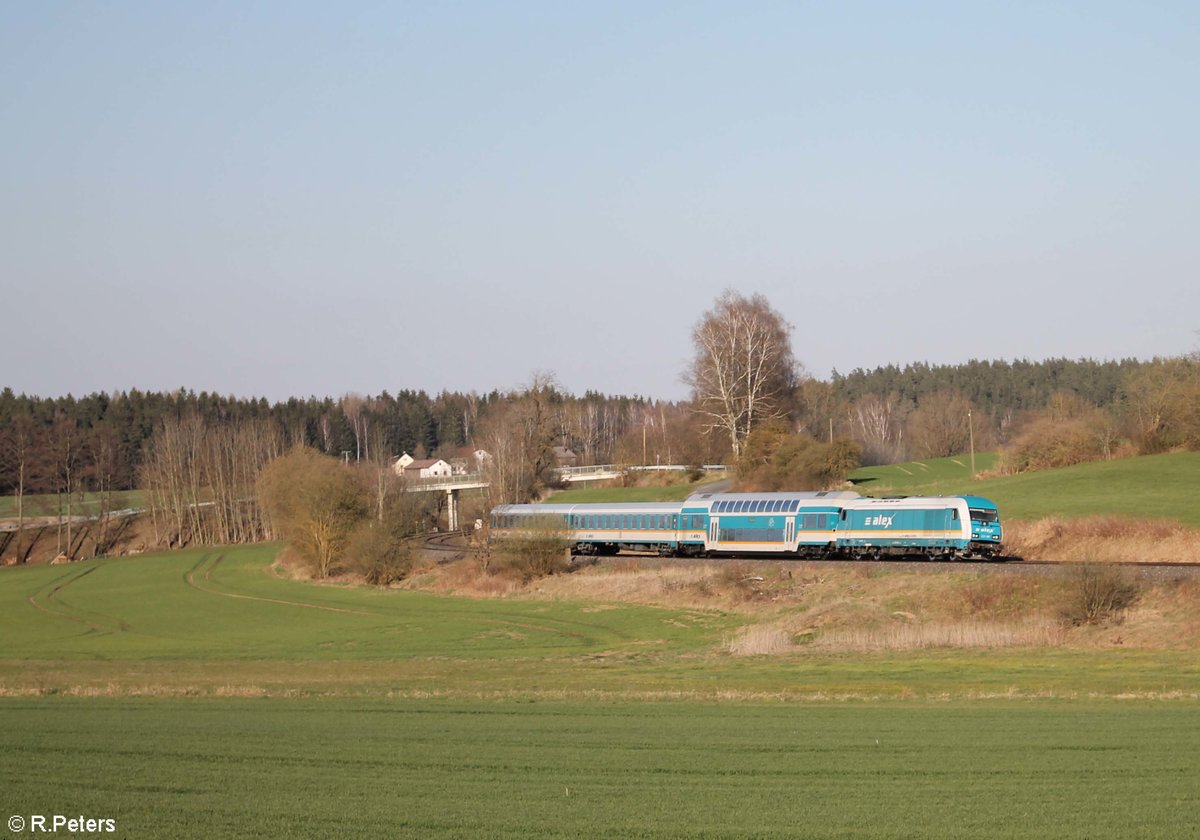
451,546
1148,571
446,547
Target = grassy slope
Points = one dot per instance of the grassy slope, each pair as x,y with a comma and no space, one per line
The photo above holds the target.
1156,486
204,621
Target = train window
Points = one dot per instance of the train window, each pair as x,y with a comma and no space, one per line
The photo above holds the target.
982,515
778,506
954,514
794,506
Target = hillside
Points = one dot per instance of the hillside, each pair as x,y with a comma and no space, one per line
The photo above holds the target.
1147,487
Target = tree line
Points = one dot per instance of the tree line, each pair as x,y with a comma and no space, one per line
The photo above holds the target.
198,457
111,442
745,379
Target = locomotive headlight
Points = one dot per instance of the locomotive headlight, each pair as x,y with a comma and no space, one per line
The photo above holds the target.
974,536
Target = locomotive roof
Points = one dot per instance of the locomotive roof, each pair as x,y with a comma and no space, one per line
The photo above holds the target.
804,495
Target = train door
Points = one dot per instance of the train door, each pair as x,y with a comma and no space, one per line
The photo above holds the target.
789,532
714,531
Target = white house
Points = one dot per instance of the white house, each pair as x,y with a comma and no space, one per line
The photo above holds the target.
428,468
468,459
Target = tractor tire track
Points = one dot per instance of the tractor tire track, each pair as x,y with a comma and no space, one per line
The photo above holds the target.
53,590
190,578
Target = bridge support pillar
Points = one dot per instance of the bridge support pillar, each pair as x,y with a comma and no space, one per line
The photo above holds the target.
452,510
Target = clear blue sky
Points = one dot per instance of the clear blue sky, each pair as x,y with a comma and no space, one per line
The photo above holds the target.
289,198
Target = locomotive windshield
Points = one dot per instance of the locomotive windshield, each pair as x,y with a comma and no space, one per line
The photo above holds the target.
981,515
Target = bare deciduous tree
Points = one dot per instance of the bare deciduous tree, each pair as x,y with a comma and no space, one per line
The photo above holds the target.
743,370
199,479
520,436
19,450
938,427
315,502
877,425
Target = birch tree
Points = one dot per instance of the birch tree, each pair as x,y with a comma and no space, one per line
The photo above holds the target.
743,370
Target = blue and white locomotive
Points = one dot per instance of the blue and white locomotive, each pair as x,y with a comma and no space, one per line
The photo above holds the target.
821,524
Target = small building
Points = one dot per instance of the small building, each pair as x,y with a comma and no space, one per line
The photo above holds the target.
410,467
565,457
468,459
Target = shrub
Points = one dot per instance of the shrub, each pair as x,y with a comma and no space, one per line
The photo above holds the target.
1050,442
315,503
535,554
379,553
1096,592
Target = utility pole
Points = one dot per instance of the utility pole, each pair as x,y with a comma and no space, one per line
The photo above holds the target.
971,433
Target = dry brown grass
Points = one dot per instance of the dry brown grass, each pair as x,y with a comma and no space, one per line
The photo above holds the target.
854,608
1036,632
1103,539
760,640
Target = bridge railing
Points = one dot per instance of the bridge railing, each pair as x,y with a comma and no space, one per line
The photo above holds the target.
443,482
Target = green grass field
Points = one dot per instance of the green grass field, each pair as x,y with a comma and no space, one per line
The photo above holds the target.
918,476
420,769
198,694
1153,486
669,493
47,504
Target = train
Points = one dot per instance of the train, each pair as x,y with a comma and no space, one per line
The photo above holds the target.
811,525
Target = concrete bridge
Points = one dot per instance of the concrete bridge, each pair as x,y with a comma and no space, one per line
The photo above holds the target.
452,485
